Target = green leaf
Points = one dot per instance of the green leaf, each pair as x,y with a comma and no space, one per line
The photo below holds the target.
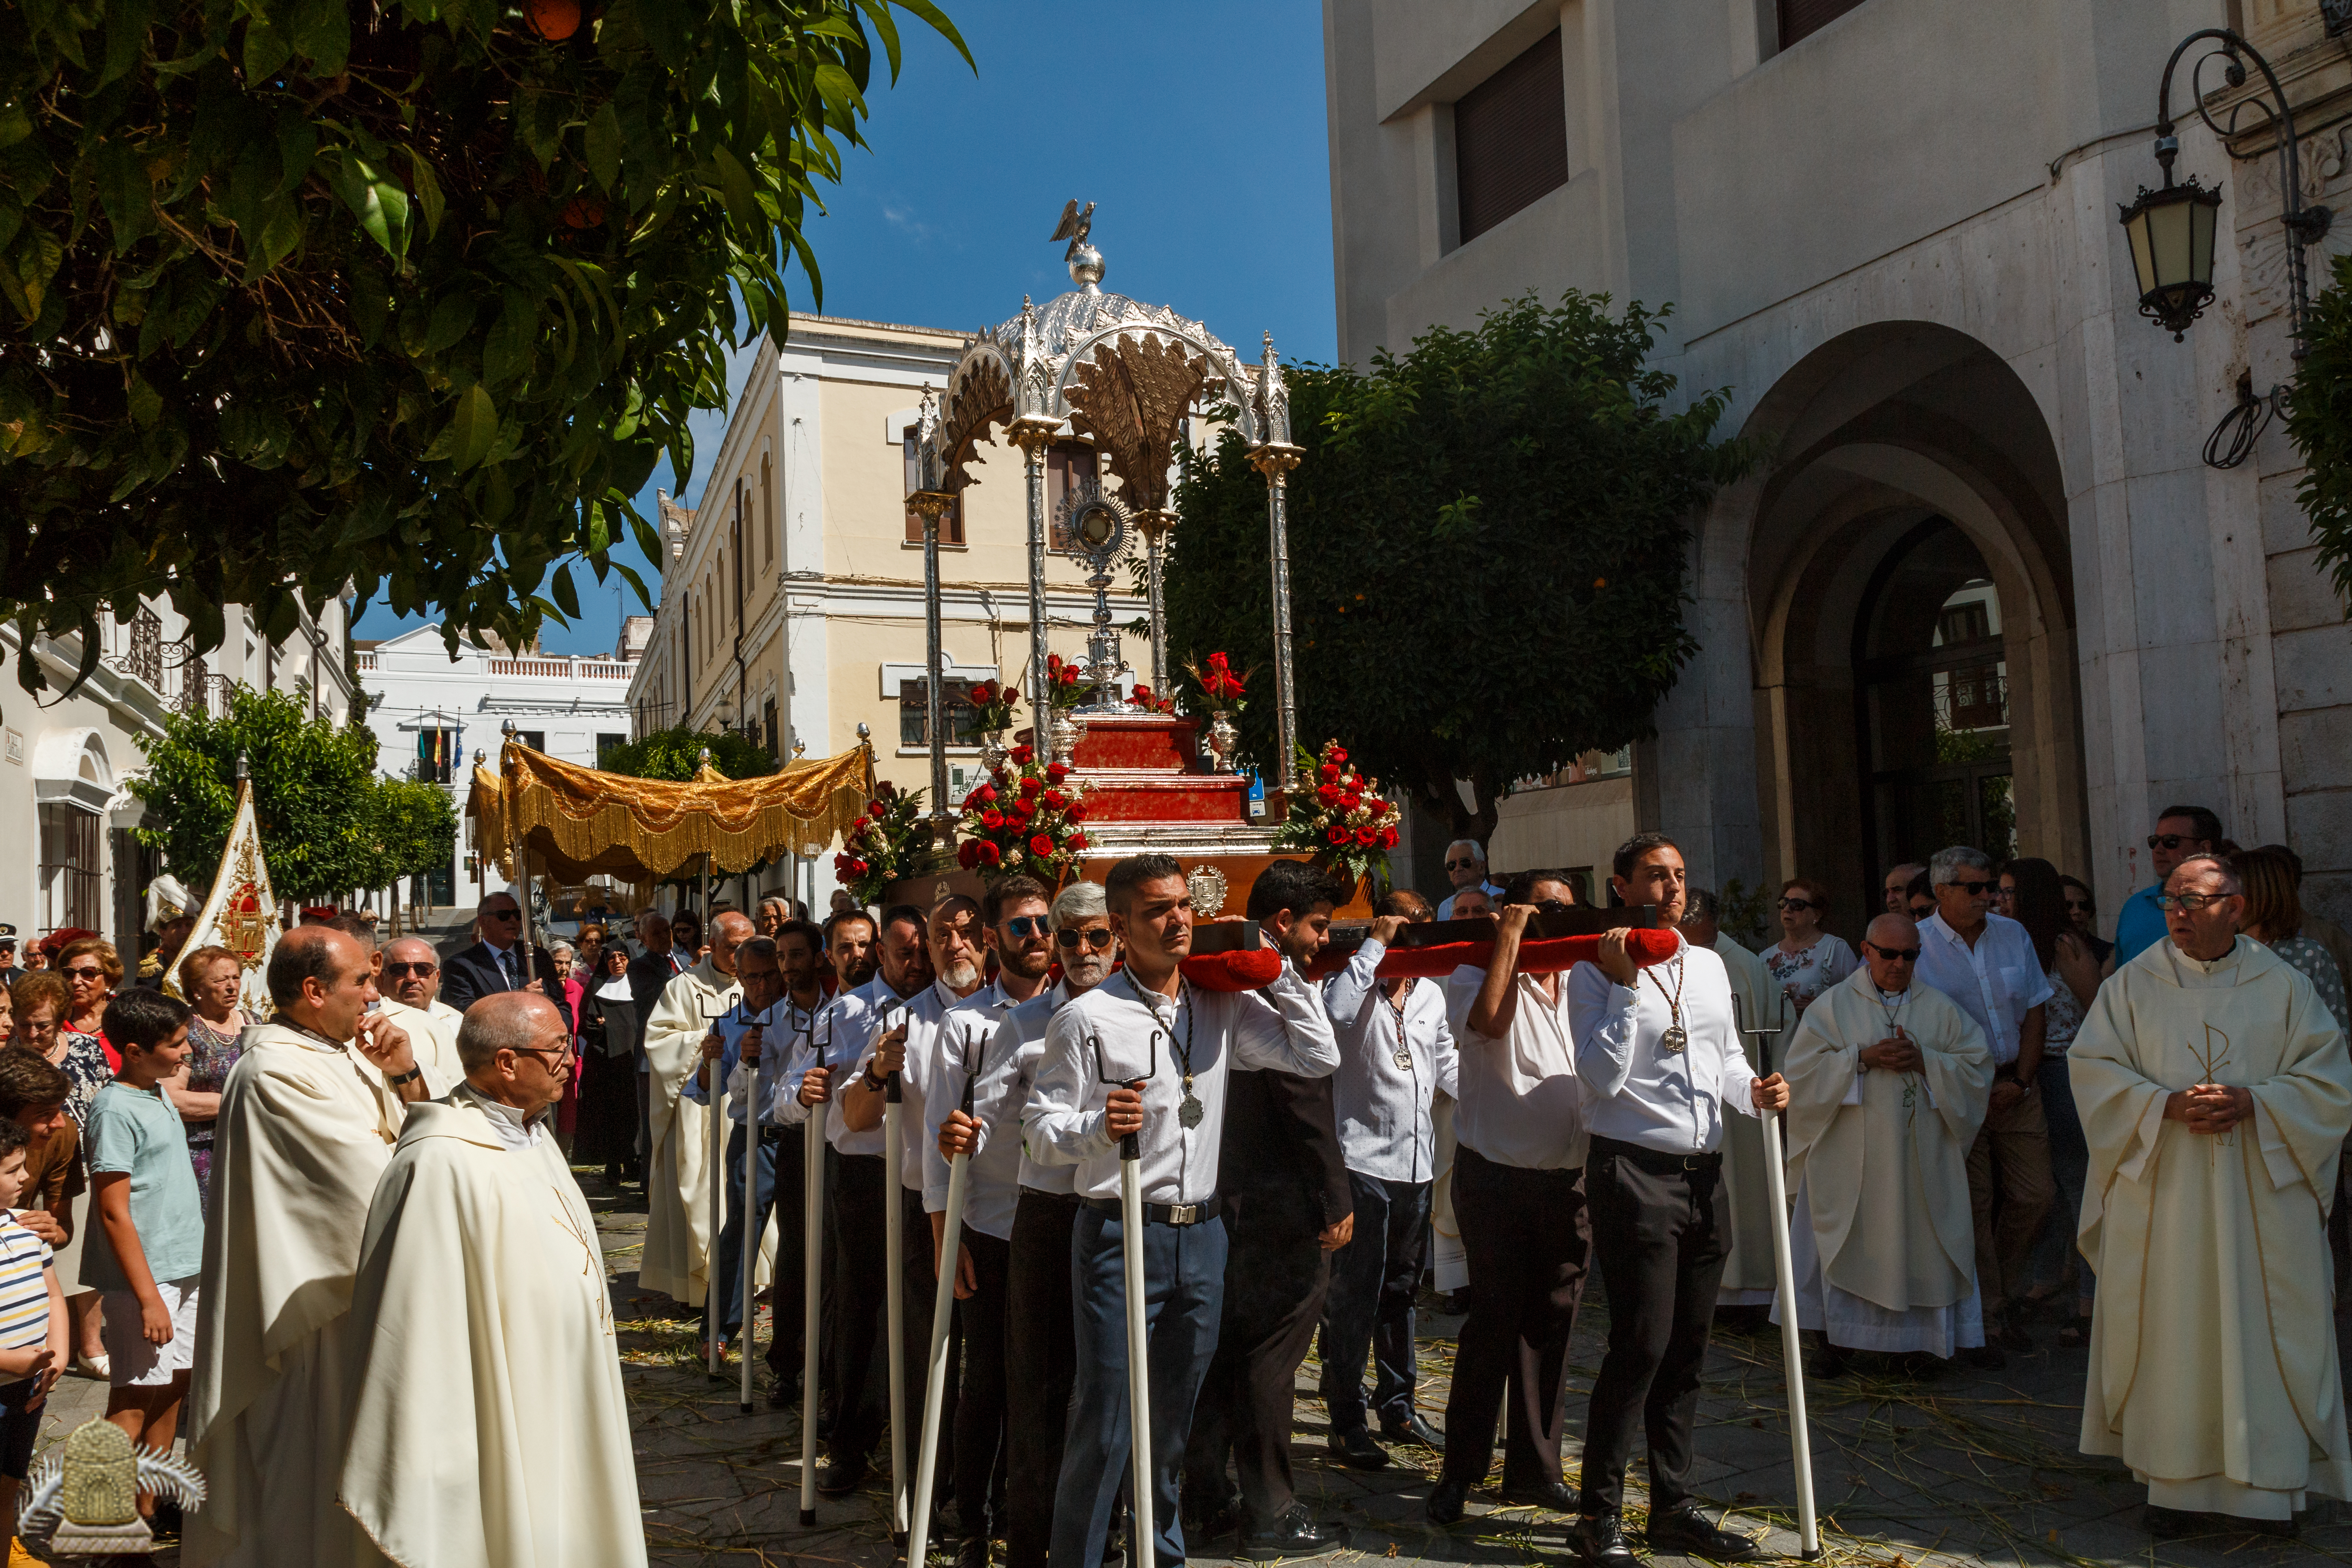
567,597
735,184
146,403
265,51
472,429
322,31
603,147
453,317
378,202
506,349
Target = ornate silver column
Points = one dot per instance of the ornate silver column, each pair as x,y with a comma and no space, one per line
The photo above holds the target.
1275,457
1155,526
1032,437
930,502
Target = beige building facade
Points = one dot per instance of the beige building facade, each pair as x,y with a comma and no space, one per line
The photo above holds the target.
1982,588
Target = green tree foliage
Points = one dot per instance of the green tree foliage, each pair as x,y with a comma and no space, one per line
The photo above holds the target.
298,294
2319,422
328,824
673,753
1487,547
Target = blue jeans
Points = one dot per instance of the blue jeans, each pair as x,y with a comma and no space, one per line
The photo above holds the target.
1184,1288
789,1237
1370,1305
2070,1166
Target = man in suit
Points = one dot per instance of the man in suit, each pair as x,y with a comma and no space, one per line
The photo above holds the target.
495,964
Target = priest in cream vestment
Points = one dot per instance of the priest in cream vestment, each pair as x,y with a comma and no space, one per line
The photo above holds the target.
2215,1094
1888,1084
488,1425
1749,1276
308,1120
676,1258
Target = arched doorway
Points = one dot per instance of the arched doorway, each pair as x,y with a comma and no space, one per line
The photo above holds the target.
1910,596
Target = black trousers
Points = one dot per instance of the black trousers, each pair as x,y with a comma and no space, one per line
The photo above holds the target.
1369,1307
1277,1274
1655,1228
1041,1349
1527,1241
860,1352
979,1391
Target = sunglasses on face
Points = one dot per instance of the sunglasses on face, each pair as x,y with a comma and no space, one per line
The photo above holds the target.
402,971
2190,903
1095,936
2170,840
506,914
1798,904
1023,927
1973,890
1459,865
1554,904
2076,907
1894,954
84,973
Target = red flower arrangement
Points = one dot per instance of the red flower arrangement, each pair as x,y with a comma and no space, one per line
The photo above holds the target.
882,846
1152,701
1026,818
1065,683
1218,683
994,703
1343,822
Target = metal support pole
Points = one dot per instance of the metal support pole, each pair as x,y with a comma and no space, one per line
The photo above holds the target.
936,707
1139,1348
894,1242
1775,1182
1155,534
935,1373
1275,461
1033,444
718,1181
813,1280
749,1254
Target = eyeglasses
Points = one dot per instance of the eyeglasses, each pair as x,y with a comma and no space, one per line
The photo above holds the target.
2190,903
1893,954
1798,904
1973,890
2170,840
2077,907
85,974
1026,926
564,1051
1097,937
401,971
1459,865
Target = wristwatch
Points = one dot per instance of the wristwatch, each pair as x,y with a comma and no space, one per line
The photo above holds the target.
873,1085
411,1075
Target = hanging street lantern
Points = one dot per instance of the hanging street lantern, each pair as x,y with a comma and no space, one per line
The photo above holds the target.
2171,235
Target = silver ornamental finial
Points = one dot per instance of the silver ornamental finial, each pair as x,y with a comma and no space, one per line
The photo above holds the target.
1085,261
1273,399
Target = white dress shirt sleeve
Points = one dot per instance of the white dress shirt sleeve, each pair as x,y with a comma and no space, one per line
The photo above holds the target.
1064,1123
1602,1019
1445,1062
1344,993
1288,1032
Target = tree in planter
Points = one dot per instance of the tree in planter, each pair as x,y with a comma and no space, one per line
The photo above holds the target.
1487,549
302,294
2319,422
675,752
328,824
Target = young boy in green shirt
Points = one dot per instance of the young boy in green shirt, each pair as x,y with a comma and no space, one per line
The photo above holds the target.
150,1245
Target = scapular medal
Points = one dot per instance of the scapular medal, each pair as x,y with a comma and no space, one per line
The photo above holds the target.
1190,1111
1403,1051
1675,1039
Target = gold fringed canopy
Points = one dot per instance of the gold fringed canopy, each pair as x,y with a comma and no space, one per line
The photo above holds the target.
577,823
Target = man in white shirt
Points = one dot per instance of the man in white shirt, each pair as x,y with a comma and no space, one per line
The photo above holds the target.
1013,920
1987,964
1465,866
1040,1337
837,1065
1660,1058
1396,1054
1146,1053
1518,1198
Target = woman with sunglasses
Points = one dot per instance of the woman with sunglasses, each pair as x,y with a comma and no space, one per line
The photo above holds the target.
1806,961
92,969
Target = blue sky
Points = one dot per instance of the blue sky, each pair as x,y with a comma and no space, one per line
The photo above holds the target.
1197,129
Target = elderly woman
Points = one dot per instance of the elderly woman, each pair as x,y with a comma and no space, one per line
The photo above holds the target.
1806,961
589,959
93,971
774,913
213,981
42,1000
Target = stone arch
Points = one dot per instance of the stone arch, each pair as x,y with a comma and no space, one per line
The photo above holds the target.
1889,438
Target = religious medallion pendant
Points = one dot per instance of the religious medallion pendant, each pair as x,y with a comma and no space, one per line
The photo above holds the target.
1190,1110
1405,1061
1676,1040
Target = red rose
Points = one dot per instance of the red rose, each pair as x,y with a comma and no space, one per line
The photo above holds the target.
1031,784
1328,793
886,789
1054,800
1057,772
984,794
1376,805
1329,773
990,854
1019,812
1041,845
1022,755
1367,837
1388,837
1078,812
1077,841
875,810
1338,753
1052,664
858,868
968,854
1350,802
991,820
1339,836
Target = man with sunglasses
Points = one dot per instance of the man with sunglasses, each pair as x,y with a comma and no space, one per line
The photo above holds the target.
495,964
1465,866
1040,1344
411,983
1986,964
471,1304
2215,1095
2181,833
1887,1082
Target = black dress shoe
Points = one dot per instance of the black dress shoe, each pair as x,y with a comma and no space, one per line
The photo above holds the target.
1554,1495
1599,1541
1412,1429
1356,1447
1446,1501
2174,1523
1293,1533
841,1476
1207,1517
1984,1358
1684,1529
784,1393
972,1553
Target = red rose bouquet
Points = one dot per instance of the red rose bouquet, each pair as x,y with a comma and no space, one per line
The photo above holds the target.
1219,686
1025,818
1065,684
1152,701
994,703
883,846
1336,816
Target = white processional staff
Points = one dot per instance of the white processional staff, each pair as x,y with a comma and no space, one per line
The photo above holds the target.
1138,1336
893,1240
935,1373
813,1254
1776,1178
717,1158
748,1253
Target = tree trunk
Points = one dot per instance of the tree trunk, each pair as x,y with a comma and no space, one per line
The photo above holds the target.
1439,792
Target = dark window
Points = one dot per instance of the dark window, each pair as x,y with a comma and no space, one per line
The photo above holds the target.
607,743
950,520
535,739
768,722
437,756
1069,465
1510,138
1800,18
963,726
72,878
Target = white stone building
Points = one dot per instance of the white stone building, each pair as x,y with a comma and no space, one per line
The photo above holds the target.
1983,587
65,762
433,713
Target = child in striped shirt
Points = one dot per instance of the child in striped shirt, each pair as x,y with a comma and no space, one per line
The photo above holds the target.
32,1330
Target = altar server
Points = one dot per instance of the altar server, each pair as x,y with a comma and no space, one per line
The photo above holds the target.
1396,1055
1040,1342
1887,1081
1169,1048
1660,1064
677,1257
2215,1093
308,1120
489,1424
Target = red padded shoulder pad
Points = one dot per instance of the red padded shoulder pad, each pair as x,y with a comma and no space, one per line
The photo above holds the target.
1252,970
1545,956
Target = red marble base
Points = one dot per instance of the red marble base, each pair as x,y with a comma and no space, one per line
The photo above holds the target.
1143,768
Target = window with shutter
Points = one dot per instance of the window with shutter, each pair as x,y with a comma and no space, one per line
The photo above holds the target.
1510,138
1801,18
